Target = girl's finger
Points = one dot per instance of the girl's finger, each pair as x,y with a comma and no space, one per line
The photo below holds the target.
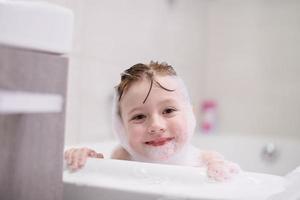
83,154
99,155
75,156
92,153
68,156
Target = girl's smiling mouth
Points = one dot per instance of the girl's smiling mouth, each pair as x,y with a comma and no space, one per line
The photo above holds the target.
159,141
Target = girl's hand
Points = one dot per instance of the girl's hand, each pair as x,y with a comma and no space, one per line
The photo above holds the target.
76,157
217,167
222,170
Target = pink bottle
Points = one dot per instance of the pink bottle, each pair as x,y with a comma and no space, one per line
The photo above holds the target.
209,116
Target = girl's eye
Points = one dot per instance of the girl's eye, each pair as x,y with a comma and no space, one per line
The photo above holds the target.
138,117
169,110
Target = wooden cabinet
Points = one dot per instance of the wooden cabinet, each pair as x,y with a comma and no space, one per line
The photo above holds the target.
31,145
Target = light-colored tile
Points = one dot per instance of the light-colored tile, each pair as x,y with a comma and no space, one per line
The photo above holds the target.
243,54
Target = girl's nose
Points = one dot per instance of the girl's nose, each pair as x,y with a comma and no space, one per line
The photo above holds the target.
156,125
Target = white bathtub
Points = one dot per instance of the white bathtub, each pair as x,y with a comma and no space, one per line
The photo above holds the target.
127,180
250,152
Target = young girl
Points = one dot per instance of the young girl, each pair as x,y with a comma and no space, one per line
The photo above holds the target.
154,122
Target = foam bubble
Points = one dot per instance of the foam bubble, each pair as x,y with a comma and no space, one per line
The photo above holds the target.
161,152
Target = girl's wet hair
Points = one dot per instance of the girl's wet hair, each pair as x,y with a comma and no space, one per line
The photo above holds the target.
139,71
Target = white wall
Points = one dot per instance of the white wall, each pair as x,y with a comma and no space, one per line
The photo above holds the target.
253,65
112,35
244,54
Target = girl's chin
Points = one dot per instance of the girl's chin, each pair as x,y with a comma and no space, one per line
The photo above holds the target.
161,153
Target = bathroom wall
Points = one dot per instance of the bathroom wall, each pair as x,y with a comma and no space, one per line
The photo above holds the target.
112,35
244,54
252,65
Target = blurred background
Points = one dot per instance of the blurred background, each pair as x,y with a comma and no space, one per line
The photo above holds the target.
243,55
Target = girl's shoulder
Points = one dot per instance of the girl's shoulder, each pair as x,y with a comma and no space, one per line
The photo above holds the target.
120,153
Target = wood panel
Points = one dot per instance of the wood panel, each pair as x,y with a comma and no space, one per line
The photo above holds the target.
31,145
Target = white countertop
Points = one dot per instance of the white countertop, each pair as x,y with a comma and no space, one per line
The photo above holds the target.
36,25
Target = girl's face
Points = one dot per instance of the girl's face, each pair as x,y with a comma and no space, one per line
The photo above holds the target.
158,128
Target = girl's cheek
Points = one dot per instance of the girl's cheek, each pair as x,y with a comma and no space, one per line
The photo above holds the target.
181,130
136,132
180,124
